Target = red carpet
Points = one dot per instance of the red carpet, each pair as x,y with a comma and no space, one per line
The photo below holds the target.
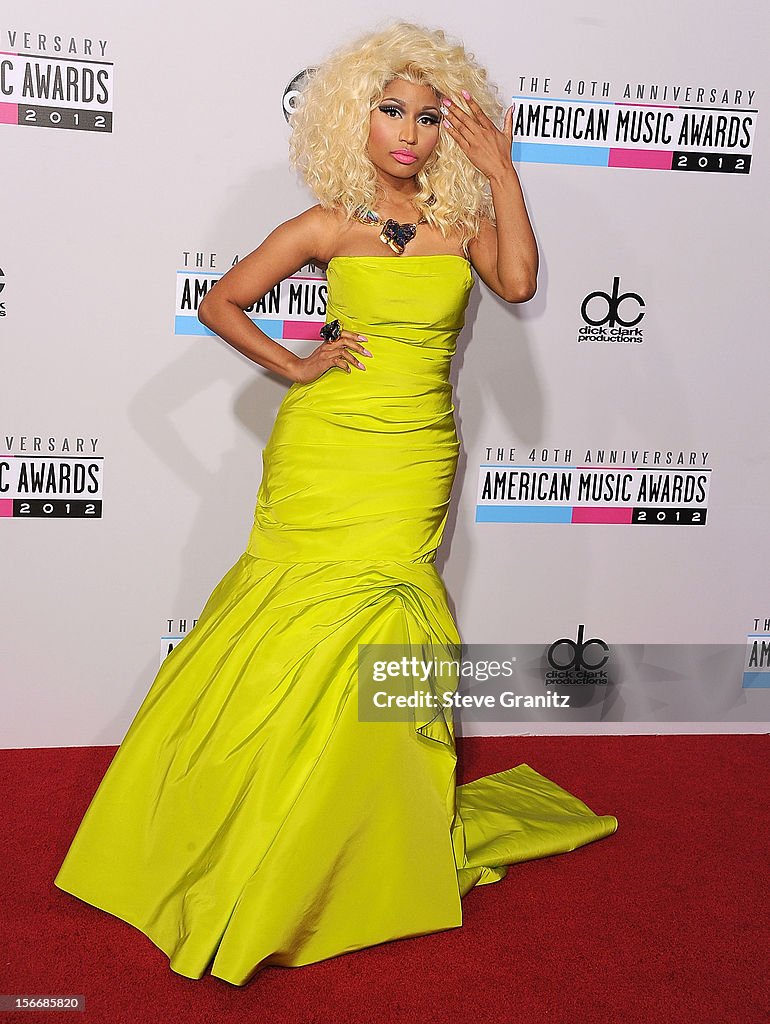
665,921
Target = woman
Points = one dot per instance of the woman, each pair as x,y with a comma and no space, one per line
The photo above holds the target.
252,815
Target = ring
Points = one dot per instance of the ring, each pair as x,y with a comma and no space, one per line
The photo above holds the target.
331,331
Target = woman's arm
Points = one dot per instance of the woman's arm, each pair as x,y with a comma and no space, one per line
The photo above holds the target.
504,254
290,246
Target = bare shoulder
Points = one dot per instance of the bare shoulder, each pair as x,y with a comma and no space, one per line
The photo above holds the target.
321,227
309,231
293,244
328,225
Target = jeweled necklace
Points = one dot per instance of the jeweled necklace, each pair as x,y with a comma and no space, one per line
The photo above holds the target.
396,235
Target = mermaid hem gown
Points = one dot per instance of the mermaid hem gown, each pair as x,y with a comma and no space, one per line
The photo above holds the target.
250,817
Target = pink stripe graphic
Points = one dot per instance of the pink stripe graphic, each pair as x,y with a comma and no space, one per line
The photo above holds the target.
599,514
9,113
302,330
6,508
651,159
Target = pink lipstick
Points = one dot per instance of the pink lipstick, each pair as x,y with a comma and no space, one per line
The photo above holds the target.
404,156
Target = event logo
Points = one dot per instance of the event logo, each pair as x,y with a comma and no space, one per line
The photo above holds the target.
293,310
612,317
756,670
66,84
649,126
177,631
610,486
293,91
577,661
48,478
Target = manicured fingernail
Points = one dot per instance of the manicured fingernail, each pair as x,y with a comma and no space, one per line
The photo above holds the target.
467,95
367,352
448,102
362,337
360,365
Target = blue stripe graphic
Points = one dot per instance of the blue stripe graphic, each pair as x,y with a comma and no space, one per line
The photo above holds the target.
522,514
191,325
756,680
548,153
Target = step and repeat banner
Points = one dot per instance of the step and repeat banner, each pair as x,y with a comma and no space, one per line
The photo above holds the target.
609,530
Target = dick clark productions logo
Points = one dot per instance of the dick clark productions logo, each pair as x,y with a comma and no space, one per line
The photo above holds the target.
612,316
576,658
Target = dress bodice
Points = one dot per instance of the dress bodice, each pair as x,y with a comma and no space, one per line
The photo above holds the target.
419,300
363,462
411,309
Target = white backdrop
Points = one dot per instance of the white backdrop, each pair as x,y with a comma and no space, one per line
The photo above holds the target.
111,205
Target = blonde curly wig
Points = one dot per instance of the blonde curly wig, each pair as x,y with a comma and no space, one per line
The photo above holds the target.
330,126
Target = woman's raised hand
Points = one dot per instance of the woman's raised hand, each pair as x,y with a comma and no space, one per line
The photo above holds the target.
487,148
331,353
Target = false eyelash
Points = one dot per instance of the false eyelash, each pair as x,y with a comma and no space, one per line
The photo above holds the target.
432,118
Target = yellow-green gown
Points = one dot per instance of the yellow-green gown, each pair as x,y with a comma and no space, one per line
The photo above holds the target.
250,817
